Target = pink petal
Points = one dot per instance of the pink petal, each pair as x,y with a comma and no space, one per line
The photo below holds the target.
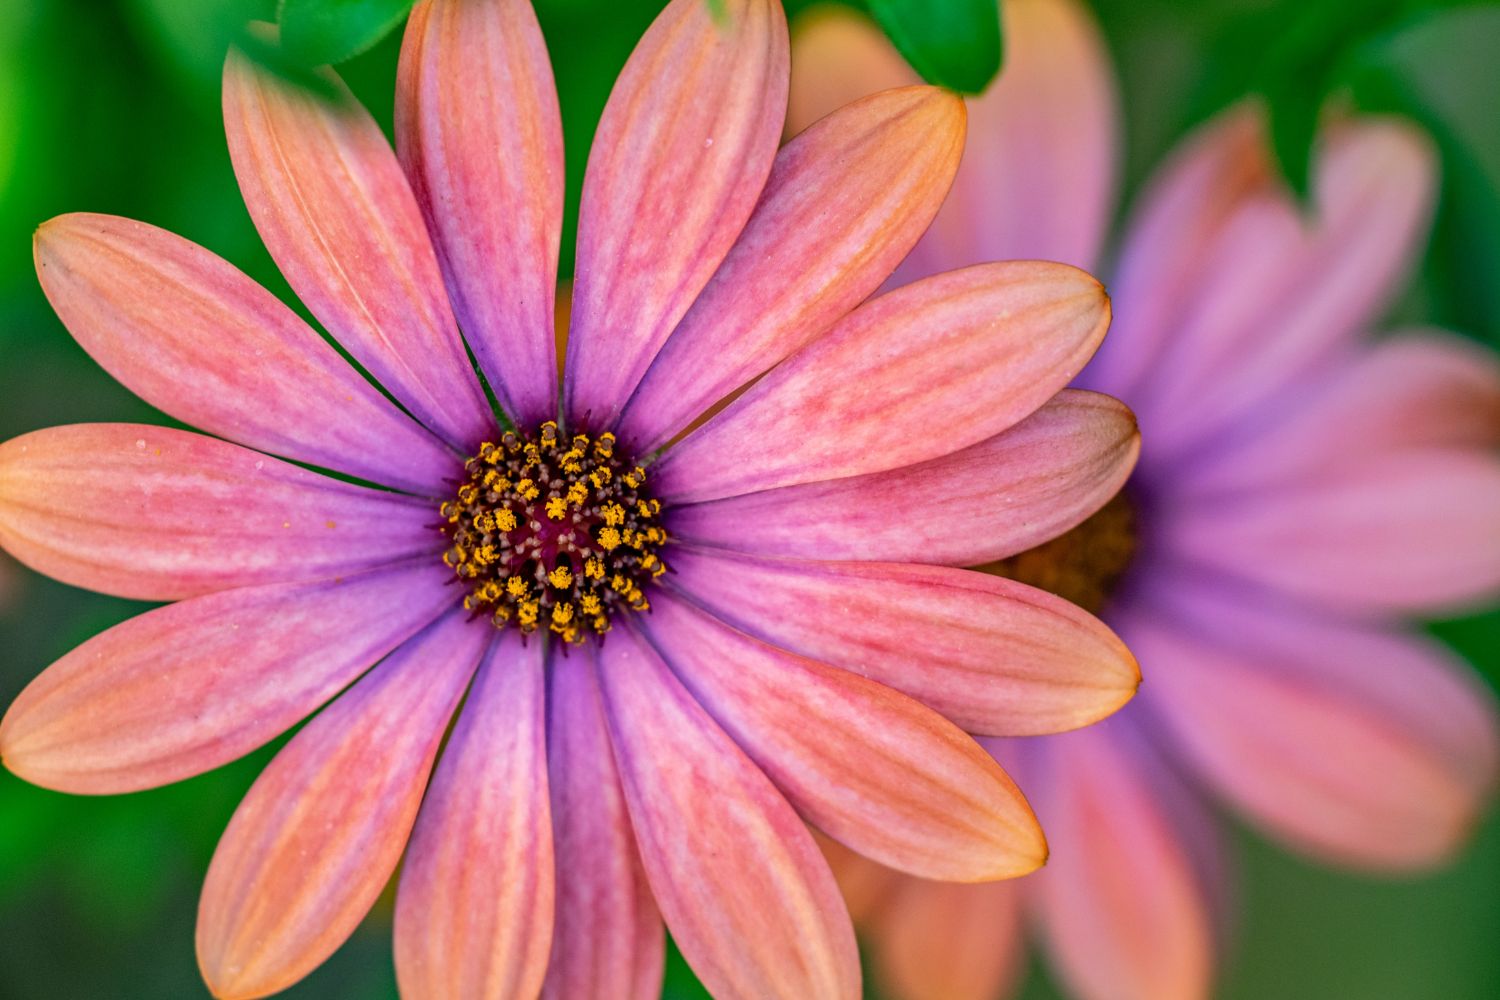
1124,910
1360,746
479,134
1414,531
159,514
332,206
946,941
1421,389
608,942
866,765
1024,486
747,896
185,688
193,336
993,655
975,350
319,833
678,162
845,202
474,908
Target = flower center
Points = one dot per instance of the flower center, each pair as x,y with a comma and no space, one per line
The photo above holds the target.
553,533
1085,565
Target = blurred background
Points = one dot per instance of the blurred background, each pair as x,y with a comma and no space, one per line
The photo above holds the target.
112,106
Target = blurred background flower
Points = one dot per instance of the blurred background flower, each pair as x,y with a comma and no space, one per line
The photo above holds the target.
113,106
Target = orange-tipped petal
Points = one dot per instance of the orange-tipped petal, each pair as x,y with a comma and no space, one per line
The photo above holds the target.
194,337
995,656
1024,486
608,942
320,832
865,764
976,350
678,163
185,688
480,136
334,209
946,941
746,894
159,514
845,202
474,909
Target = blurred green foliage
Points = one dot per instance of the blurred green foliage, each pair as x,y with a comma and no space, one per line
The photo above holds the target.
112,105
954,43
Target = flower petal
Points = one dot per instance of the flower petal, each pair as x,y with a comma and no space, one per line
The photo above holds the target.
1004,495
678,163
480,136
192,336
474,908
866,765
1124,910
947,941
608,943
1414,531
845,202
747,896
995,656
334,210
977,349
320,832
185,688
158,514
1357,745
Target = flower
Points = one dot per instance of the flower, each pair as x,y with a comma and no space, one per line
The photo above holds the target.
610,771
1302,488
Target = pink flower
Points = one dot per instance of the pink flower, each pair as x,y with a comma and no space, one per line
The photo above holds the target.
1302,488
589,792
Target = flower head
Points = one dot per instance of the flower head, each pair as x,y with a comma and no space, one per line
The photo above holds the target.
589,669
1301,488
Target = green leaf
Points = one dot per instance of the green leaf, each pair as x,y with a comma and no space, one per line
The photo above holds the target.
953,43
314,32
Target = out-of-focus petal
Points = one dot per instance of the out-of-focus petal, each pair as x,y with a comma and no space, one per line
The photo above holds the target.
159,514
863,884
608,941
182,689
678,163
993,655
330,201
480,136
474,908
1357,745
863,763
191,335
746,894
946,941
1413,531
319,833
844,203
839,57
978,350
1024,486
1123,907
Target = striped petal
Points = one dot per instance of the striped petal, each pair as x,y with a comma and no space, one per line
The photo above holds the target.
158,514
866,765
474,908
995,656
1004,495
320,832
678,162
194,337
747,896
185,688
480,136
946,941
334,210
978,349
608,941
845,202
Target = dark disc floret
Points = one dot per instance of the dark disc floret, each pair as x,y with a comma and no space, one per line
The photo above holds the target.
553,533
